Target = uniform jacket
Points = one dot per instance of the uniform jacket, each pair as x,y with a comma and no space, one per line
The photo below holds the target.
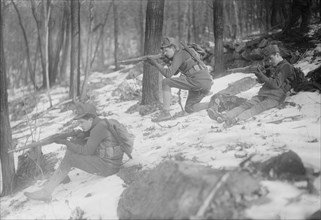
276,86
100,138
184,63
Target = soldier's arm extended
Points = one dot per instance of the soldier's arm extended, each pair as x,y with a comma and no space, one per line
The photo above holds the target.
48,140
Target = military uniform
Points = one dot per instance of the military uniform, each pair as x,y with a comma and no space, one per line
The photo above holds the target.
272,93
100,154
195,78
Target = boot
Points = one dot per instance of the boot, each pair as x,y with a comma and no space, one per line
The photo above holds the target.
45,193
214,115
41,195
163,116
230,122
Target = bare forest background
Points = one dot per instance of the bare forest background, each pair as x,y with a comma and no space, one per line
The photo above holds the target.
102,22
44,43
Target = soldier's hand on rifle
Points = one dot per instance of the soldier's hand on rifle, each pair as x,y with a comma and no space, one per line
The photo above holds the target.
150,60
260,71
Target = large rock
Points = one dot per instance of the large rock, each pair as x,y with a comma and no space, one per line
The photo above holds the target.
177,190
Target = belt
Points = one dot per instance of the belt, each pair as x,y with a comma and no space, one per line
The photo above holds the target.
194,69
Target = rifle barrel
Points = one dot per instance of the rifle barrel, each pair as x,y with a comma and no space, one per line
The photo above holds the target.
45,141
139,59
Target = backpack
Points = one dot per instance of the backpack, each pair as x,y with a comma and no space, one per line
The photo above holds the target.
200,52
196,52
299,79
301,83
122,135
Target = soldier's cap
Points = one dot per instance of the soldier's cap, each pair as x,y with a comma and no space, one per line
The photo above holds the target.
169,41
83,109
271,49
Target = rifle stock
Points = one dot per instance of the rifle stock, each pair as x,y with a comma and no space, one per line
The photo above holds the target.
47,140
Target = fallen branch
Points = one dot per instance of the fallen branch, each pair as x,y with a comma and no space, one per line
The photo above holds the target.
202,209
294,117
169,126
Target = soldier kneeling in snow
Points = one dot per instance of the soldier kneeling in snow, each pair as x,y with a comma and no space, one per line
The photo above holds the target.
101,153
272,93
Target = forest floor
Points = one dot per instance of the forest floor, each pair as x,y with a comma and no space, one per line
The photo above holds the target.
193,138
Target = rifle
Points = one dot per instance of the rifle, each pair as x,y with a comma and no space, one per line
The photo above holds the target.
51,139
140,59
252,69
246,69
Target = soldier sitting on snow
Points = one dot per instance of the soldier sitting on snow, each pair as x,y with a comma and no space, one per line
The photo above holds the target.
272,93
101,154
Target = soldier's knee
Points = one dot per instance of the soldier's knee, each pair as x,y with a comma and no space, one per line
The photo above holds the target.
165,82
189,109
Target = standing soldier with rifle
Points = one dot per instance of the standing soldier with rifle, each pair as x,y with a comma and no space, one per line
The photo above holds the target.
195,77
101,153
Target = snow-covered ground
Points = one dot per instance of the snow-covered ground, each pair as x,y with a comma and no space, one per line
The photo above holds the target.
194,137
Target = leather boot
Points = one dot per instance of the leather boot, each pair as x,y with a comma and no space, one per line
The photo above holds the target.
163,116
214,114
45,193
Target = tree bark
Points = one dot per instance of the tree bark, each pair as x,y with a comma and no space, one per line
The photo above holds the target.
115,35
88,55
195,26
74,53
66,43
218,36
141,26
189,23
101,34
38,23
6,159
179,20
153,37
47,14
56,35
30,70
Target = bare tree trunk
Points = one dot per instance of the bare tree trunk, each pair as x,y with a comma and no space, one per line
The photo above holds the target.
30,70
115,34
6,159
205,24
75,50
218,35
267,8
43,65
66,44
189,34
195,26
36,59
153,37
102,27
179,20
79,47
47,14
88,56
141,26
55,44
237,20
